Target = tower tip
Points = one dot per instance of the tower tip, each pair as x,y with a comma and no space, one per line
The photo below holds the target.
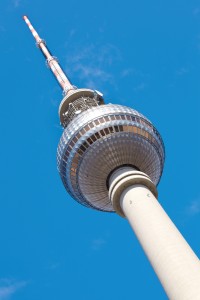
24,17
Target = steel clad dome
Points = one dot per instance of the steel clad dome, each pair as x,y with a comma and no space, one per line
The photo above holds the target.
100,139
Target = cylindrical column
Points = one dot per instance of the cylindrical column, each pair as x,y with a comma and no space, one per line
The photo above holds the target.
174,262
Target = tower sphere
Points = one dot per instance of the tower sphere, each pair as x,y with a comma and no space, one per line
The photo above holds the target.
99,139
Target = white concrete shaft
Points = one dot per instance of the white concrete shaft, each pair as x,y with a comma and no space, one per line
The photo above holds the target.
176,265
174,262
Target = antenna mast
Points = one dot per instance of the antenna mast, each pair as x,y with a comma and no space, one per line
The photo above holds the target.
51,60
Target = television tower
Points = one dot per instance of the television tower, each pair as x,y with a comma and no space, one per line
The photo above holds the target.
110,158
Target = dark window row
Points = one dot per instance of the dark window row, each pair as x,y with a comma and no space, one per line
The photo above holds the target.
106,132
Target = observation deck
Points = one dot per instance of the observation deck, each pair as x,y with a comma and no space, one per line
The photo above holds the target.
100,139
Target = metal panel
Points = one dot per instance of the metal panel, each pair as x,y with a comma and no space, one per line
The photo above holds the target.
100,139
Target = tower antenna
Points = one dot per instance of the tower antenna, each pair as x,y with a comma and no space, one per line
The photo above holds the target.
51,60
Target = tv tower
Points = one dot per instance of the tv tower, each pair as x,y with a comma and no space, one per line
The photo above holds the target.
110,158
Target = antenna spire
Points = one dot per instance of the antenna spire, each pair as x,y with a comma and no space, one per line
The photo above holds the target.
51,60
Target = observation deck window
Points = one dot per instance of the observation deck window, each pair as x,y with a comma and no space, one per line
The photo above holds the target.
82,148
116,128
87,127
97,135
101,120
111,129
107,131
93,138
89,140
106,118
102,132
78,135
133,118
85,144
82,131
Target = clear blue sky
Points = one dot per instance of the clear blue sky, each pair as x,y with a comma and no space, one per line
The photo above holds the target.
143,54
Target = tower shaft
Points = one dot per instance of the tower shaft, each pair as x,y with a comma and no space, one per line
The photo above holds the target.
176,265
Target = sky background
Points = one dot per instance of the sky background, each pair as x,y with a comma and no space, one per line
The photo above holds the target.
143,54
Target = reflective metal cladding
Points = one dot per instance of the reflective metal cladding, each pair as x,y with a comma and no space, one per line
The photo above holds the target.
100,139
